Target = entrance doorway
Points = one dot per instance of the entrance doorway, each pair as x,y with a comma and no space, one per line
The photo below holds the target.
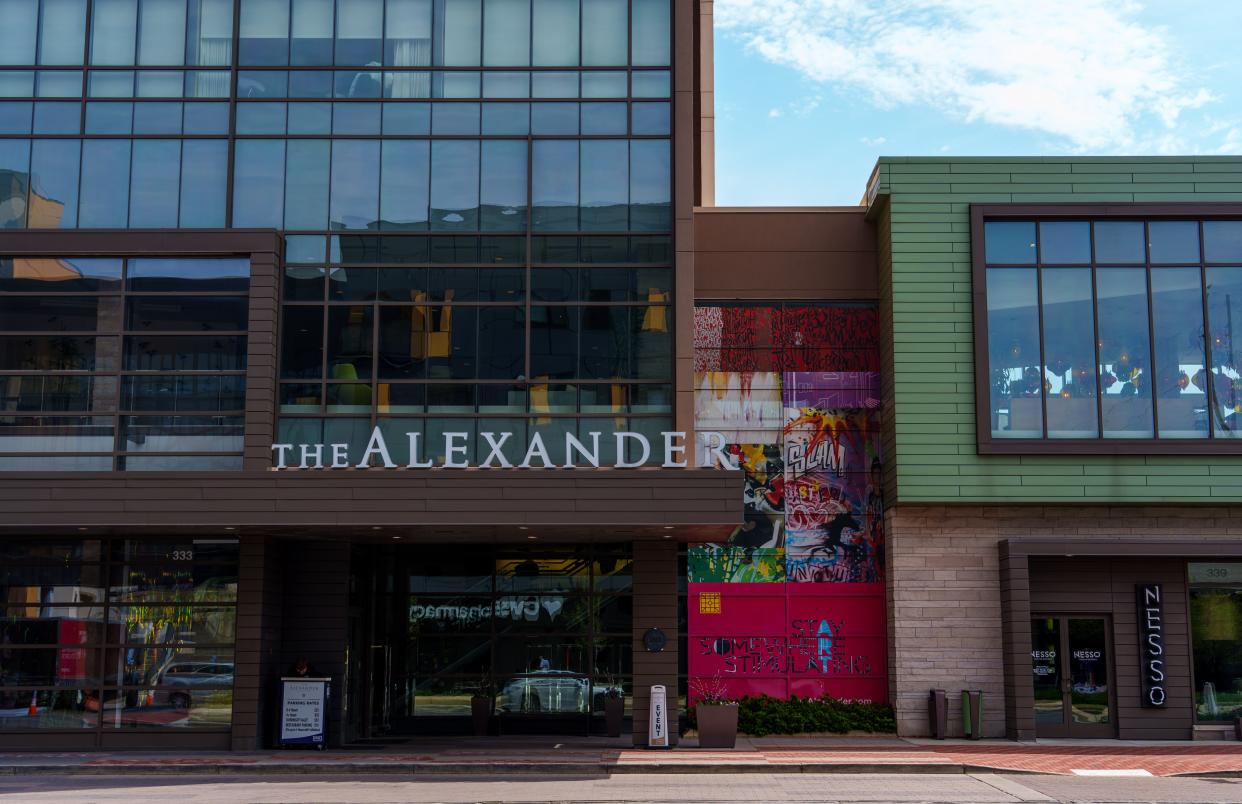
1072,676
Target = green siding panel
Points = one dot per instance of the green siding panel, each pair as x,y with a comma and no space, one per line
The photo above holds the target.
925,288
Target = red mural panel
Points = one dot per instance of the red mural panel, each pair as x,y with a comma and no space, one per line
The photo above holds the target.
785,639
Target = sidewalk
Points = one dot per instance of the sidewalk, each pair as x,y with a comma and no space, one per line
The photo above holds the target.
601,756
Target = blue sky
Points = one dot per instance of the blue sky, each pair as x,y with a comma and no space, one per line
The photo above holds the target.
810,92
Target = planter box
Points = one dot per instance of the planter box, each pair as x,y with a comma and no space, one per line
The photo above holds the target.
717,725
614,714
480,715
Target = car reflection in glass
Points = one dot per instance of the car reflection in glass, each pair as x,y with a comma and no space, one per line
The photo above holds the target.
549,692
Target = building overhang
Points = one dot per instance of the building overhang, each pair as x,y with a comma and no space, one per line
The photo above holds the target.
566,505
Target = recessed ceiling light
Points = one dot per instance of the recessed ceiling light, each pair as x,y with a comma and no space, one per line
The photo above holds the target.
230,528
668,527
82,529
396,538
523,527
532,538
376,527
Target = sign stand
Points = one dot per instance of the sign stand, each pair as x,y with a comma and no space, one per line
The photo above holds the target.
657,722
303,711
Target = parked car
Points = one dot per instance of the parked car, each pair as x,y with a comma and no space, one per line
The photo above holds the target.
190,673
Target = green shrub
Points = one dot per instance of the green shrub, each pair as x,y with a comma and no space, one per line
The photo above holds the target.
764,715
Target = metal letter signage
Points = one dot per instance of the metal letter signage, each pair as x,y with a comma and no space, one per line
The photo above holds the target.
454,452
1151,643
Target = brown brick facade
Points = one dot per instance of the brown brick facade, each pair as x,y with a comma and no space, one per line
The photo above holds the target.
945,593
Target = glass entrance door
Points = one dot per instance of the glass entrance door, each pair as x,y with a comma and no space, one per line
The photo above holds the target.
1070,664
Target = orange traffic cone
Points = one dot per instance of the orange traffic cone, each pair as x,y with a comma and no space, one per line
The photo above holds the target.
150,698
33,711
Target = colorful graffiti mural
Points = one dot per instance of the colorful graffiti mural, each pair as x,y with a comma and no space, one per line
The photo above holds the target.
795,389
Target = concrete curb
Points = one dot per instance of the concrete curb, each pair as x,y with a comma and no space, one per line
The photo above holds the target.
464,768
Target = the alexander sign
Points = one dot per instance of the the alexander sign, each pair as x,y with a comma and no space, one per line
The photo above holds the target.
1151,643
498,446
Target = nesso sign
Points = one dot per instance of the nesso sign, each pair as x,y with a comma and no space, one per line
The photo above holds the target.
1151,643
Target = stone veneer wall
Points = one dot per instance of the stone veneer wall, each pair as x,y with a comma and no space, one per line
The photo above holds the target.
943,589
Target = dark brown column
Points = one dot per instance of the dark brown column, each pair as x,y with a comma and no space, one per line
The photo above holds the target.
261,351
1015,593
315,621
655,606
248,686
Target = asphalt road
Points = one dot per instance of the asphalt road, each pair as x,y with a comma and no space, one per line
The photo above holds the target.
630,789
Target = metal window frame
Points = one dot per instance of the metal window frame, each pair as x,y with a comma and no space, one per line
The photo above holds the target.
986,444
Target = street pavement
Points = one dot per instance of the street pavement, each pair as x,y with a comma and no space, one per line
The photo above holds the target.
786,788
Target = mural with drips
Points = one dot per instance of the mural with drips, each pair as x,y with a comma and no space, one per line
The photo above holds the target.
793,602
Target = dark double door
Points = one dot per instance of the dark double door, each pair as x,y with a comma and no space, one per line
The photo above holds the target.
1072,674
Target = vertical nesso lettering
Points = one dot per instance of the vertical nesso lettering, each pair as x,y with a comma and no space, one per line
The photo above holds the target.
1151,644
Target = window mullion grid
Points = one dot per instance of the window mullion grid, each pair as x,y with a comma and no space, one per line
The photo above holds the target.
1095,345
1151,335
1039,309
1210,391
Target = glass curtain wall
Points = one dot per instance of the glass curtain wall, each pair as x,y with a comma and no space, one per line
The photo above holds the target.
112,363
117,635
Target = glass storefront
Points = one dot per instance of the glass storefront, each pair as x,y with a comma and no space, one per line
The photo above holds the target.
1216,638
544,632
117,634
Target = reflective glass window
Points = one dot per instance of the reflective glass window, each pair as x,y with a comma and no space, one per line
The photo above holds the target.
604,118
15,159
604,32
258,183
554,183
15,117
355,118
1177,340
57,118
311,41
405,185
1120,242
54,184
310,118
16,84
155,184
506,118
458,32
651,118
301,352
506,33
204,178
554,85
104,200
604,185
306,187
455,118
109,118
359,31
263,83
157,118
506,85
1069,356
58,83
355,184
18,34
310,84
114,28
650,185
260,118
454,184
62,31
209,32
1013,339
1173,241
650,35
651,84
1222,241
1224,286
407,118
555,33
503,186
162,32
407,33
264,36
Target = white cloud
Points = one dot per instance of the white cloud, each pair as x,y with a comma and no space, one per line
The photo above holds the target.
1085,71
873,142
774,112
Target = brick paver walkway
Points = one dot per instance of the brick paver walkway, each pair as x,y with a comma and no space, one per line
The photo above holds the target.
599,757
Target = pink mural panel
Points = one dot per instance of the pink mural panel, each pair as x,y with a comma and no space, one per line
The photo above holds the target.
797,639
